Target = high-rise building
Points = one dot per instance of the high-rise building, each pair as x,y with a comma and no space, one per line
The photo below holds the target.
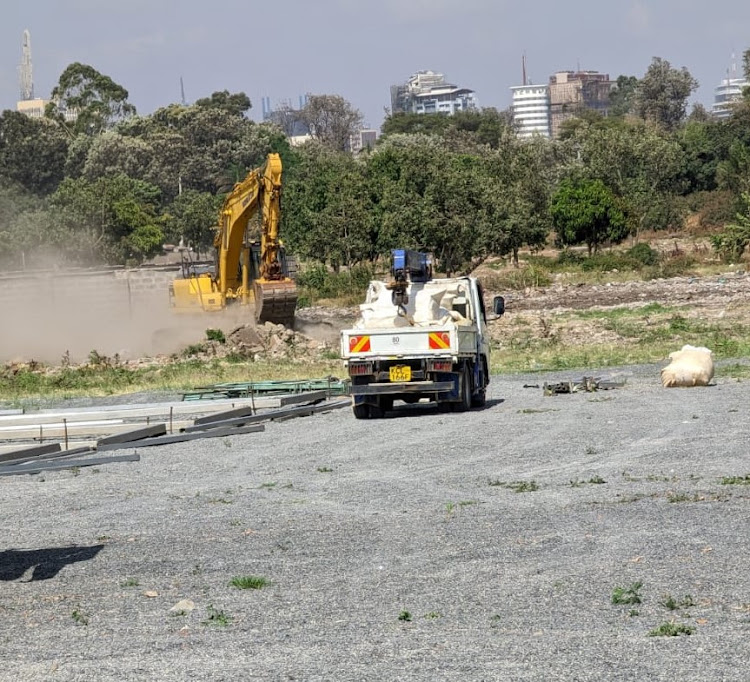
571,92
727,93
28,104
427,92
531,110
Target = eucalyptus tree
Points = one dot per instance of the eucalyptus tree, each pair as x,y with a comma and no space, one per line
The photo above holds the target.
86,101
662,94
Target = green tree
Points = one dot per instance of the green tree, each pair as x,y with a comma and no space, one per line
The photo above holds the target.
640,163
412,124
32,152
237,103
586,212
622,97
326,210
662,94
193,217
96,101
114,219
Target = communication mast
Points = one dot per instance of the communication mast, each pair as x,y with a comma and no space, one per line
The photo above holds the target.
24,70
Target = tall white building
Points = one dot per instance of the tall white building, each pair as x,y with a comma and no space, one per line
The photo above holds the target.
726,94
531,110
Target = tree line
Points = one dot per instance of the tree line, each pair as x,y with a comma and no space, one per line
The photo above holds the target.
109,185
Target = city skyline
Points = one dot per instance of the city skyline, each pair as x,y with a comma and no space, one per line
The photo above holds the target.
358,50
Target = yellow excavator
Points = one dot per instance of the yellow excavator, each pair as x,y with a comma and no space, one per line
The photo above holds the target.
246,272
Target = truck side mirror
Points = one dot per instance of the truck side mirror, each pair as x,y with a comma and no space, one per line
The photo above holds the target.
498,305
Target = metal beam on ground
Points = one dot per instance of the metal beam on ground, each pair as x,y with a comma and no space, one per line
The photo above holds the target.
30,452
62,454
135,411
71,464
271,415
314,396
183,437
135,434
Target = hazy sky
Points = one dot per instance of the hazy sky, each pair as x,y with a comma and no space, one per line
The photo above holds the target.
358,48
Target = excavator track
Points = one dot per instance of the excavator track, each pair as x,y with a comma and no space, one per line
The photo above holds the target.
275,301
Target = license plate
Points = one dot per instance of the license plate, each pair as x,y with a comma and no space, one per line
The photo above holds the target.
400,373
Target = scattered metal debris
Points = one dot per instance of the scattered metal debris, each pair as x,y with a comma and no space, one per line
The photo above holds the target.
584,384
332,386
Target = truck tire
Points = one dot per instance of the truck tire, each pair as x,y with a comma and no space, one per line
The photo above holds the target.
361,411
479,399
464,391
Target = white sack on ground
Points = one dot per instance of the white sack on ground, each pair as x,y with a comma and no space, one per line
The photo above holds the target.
691,366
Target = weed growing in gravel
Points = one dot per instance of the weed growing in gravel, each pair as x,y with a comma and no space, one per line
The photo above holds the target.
324,470
102,538
633,613
130,582
268,486
432,615
79,616
467,503
680,497
669,602
671,629
736,480
594,480
249,582
627,595
217,617
405,616
517,486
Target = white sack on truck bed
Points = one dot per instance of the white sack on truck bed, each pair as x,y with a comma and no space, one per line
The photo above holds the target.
691,366
430,304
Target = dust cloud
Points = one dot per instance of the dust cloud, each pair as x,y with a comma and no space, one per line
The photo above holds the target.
46,320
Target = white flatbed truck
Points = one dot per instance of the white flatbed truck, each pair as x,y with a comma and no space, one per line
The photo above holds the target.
419,338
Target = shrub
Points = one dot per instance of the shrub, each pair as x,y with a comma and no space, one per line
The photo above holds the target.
644,254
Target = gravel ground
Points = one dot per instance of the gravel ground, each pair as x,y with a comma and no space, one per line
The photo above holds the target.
356,522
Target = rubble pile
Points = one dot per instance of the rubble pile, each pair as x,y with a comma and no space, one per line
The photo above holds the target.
262,342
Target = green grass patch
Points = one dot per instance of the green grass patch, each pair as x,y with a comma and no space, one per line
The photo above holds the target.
627,595
249,582
736,480
671,629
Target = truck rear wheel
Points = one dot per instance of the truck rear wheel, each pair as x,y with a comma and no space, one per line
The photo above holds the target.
361,411
464,391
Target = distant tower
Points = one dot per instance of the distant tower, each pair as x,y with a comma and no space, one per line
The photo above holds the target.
24,70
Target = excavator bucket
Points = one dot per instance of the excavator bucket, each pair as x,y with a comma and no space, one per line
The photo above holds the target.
275,301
